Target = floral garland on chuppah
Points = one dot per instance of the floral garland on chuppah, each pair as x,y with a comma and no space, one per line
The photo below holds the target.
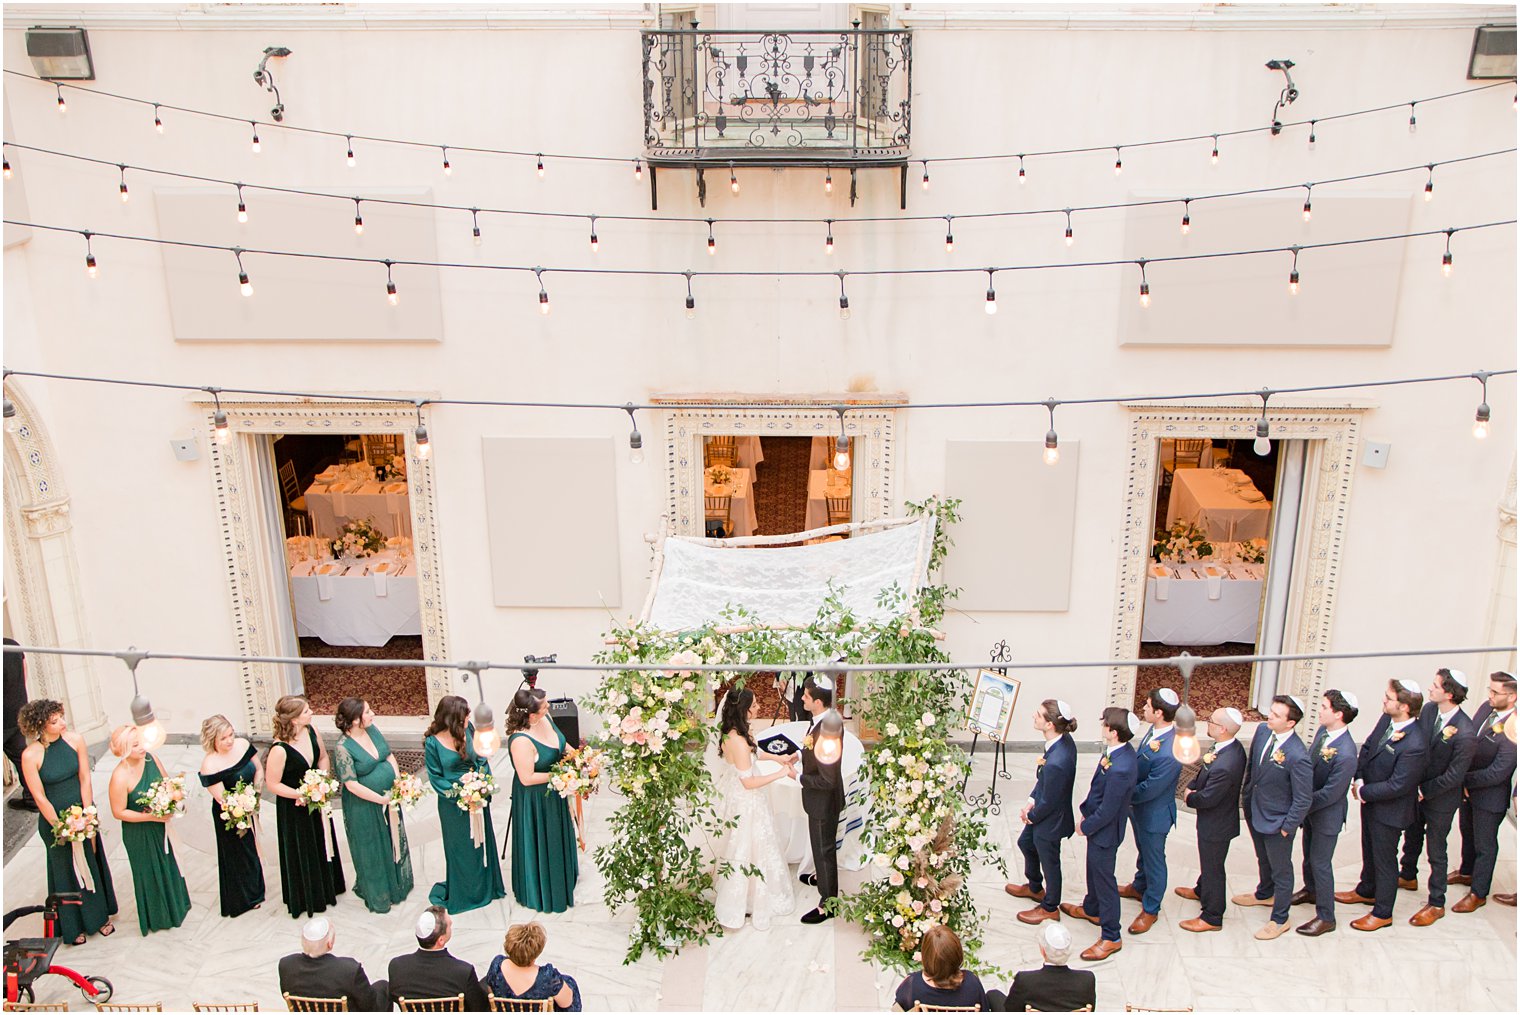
921,832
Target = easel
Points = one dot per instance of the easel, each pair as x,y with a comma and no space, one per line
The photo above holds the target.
1000,653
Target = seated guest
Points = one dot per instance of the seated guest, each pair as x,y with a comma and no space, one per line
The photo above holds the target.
431,971
516,976
942,981
317,972
1053,987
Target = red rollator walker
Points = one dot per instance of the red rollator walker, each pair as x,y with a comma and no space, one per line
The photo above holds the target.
28,958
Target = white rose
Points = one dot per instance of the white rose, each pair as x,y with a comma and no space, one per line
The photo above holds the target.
892,730
897,920
927,719
902,863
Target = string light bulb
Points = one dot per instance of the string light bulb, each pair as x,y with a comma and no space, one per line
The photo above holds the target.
1308,201
391,295
1145,286
158,123
221,430
540,165
1052,453
635,439
991,304
475,225
244,286
1187,217
1312,138
1070,239
1118,161
543,294
256,146
1412,124
949,236
712,240
1293,275
1214,153
6,169
420,435
123,189
350,158
733,179
1430,182
841,444
242,212
448,170
1022,177
63,107
691,300
595,243
844,300
1262,445
926,174
358,218
1446,257
90,267
1185,746
828,180
828,240
638,170
149,729
1480,420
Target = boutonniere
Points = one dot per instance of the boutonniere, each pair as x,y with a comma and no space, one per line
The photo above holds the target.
1208,759
1278,756
1039,764
1497,727
1104,763
1448,732
1396,737
1155,745
1327,753
807,742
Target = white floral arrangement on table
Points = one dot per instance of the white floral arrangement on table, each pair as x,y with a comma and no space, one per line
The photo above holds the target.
240,805
1183,543
472,790
316,791
1252,551
407,791
165,798
397,467
578,773
358,539
720,475
76,824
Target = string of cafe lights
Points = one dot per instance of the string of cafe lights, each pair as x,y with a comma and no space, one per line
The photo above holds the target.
542,159
237,189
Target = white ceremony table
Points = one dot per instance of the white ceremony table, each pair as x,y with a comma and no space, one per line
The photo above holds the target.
349,609
786,803
1208,499
384,505
818,493
1204,606
741,508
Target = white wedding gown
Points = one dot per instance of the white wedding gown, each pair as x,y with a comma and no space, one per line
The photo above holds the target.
751,842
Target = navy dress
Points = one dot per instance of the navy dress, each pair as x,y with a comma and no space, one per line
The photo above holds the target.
546,986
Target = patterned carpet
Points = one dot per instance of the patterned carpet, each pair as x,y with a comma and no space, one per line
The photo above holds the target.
388,691
781,485
1212,687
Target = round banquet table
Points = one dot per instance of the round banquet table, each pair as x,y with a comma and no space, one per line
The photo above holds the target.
786,803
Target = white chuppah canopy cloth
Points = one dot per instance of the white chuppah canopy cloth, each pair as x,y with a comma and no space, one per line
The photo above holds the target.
785,586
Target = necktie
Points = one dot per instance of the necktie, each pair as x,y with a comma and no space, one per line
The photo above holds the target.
1387,736
1271,746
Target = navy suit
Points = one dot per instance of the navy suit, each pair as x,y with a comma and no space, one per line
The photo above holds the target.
1446,763
1215,794
1154,815
1488,789
1390,770
1050,819
1276,795
1327,816
1104,814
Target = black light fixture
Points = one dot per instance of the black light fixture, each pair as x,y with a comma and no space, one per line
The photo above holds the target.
1493,53
63,54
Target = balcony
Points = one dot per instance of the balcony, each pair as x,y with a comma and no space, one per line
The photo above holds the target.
827,100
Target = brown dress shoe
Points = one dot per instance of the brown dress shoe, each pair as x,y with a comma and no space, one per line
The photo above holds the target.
1101,951
1316,927
1074,911
1456,877
1128,892
1039,914
1184,892
1198,925
1468,903
1370,922
1352,899
1427,916
1303,897
1024,892
1504,898
1144,922
1409,884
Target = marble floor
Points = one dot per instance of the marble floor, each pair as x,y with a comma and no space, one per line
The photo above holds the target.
1464,963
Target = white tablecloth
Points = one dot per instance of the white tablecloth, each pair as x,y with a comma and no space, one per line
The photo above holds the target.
1188,616
354,613
1209,500
747,452
742,507
822,453
786,804
333,505
818,494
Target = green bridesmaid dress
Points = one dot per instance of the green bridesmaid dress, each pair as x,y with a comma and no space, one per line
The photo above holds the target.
380,879
544,859
162,899
472,874
59,775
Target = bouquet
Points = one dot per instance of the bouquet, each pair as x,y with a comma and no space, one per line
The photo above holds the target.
1252,551
1183,543
317,790
75,826
577,773
471,792
407,791
358,539
720,475
165,798
240,805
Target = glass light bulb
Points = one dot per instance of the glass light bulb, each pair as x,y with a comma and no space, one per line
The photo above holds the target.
734,186
7,170
1022,178
350,160
1070,239
636,456
841,461
152,735
245,286
691,313
828,749
477,237
1145,299
1214,158
595,243
448,170
1051,456
543,304
828,185
222,432
1185,748
1262,446
393,298
158,125
1308,214
926,181
358,227
124,195
63,107
1446,264
712,246
242,214
844,312
424,449
485,742
1480,429
991,304
90,267
1430,191
828,245
256,146
1118,168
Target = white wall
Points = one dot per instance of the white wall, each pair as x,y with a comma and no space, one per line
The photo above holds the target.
1420,558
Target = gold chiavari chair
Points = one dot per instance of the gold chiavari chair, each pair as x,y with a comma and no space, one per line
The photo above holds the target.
124,1006
520,1004
839,510
225,1005
28,1006
295,1002
455,1003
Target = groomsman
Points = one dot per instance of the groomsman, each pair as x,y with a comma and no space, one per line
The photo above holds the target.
1387,783
1104,814
1449,733
1215,794
1154,806
1279,786
1047,816
1334,757
1488,792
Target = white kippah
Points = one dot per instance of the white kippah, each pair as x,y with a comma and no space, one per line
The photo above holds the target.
426,924
1056,937
1065,712
1132,722
1235,716
1297,701
1458,676
1351,700
1168,695
316,929
1411,686
822,682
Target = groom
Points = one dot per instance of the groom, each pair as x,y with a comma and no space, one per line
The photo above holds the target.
822,795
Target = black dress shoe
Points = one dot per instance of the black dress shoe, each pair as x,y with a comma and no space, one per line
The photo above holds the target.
816,916
808,879
22,804
1302,897
1316,927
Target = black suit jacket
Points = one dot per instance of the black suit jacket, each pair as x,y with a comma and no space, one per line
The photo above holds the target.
1390,774
332,976
1050,817
1447,758
1493,764
822,785
1332,783
1053,988
1215,793
436,974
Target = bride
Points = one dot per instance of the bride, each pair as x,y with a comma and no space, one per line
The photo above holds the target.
752,842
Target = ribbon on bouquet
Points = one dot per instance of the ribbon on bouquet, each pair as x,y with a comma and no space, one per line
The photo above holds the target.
169,833
393,820
332,840
478,834
82,867
580,822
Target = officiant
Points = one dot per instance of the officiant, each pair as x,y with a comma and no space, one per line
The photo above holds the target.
822,790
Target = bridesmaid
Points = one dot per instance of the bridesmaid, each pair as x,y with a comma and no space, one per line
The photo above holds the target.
364,764
229,760
309,881
544,859
56,768
471,879
162,899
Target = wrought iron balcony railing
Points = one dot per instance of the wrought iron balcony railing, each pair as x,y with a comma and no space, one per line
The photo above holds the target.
840,98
